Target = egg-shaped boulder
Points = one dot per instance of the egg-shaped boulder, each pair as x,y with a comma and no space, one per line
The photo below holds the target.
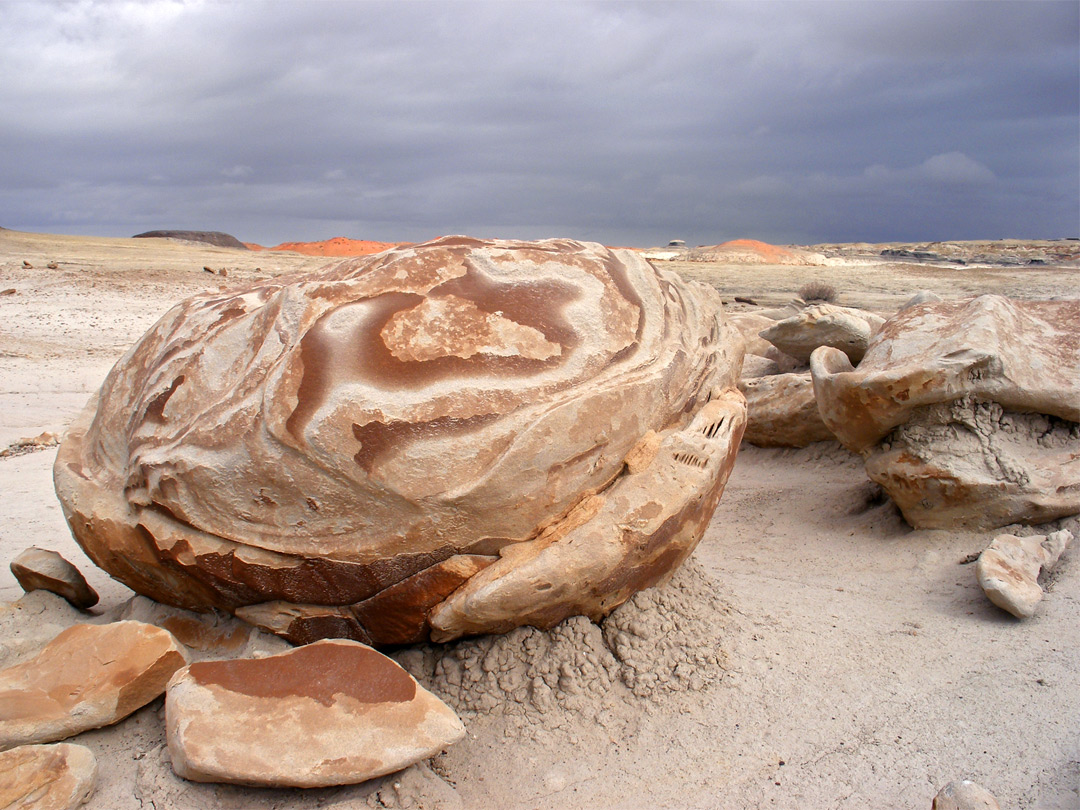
451,438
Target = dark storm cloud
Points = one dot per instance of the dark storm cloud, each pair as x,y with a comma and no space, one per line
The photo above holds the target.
628,123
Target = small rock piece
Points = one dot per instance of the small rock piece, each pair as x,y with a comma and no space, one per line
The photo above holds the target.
8,291
358,714
52,265
843,328
1008,569
87,677
27,265
41,569
965,795
47,777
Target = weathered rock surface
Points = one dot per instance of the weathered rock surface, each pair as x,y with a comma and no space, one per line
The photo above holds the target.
41,569
433,436
843,328
1009,568
964,795
781,411
47,777
966,411
87,677
333,712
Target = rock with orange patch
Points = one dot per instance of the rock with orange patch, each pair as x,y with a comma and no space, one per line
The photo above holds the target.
353,450
1009,569
42,569
47,777
330,713
967,412
87,677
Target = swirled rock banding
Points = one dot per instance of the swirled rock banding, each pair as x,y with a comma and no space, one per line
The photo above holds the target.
353,452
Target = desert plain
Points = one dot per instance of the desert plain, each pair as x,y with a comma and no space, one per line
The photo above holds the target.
815,652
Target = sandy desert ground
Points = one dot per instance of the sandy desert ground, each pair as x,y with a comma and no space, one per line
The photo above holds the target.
816,652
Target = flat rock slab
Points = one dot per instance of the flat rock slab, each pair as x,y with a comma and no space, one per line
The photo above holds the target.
46,777
1008,569
87,677
41,569
334,712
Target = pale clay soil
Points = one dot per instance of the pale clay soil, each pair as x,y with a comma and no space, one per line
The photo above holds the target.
815,653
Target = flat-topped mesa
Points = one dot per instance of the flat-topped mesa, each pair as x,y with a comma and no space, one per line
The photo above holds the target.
967,411
340,453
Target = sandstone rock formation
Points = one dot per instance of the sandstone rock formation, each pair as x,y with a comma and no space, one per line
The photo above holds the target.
430,441
966,411
1009,568
41,569
47,777
782,411
87,677
330,713
843,328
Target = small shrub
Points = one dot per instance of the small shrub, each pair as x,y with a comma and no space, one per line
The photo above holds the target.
818,291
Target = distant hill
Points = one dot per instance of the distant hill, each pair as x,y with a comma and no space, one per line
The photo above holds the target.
209,237
338,246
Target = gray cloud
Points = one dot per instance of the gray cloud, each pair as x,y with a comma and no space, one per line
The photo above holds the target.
628,123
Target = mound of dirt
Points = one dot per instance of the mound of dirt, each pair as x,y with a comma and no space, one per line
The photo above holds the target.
668,639
750,251
338,246
208,237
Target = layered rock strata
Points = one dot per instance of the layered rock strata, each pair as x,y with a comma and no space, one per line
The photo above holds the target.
358,714
450,438
967,412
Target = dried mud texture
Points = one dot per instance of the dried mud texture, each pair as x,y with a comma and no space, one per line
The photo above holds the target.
462,436
664,640
965,411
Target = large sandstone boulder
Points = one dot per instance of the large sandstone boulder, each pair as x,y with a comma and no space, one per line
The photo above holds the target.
843,328
430,441
966,411
331,713
87,677
47,777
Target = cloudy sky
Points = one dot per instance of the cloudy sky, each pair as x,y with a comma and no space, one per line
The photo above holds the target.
626,123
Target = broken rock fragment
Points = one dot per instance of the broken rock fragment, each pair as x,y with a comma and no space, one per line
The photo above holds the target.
330,713
1009,568
964,795
87,677
47,777
381,449
41,569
